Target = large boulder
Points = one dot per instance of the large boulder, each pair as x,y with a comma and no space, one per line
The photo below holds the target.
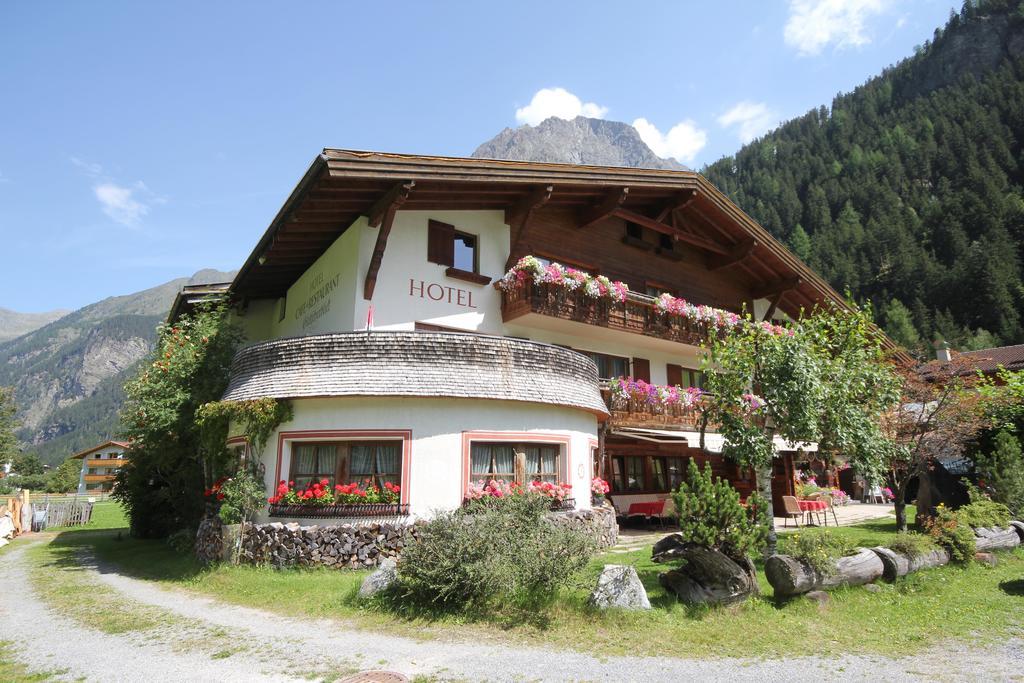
381,579
704,575
619,586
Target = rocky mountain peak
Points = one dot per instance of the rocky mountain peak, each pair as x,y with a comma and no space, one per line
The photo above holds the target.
582,140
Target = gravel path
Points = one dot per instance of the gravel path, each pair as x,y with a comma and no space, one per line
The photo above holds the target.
277,648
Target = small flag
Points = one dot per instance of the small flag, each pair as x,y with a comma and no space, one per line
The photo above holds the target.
369,318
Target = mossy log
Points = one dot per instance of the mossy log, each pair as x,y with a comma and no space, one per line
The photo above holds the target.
895,565
996,538
789,576
704,575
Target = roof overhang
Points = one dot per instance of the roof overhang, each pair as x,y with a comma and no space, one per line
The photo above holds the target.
89,451
190,296
341,185
713,442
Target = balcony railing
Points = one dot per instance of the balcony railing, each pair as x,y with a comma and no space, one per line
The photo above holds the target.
638,313
113,462
636,412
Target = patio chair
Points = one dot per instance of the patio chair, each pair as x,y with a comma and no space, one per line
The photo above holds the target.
791,508
830,502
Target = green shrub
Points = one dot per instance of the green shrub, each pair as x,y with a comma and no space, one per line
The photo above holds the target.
983,512
819,548
244,496
1001,471
947,529
496,553
710,514
182,541
913,544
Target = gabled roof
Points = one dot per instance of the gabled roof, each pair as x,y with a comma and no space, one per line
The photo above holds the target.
185,300
342,185
989,360
82,454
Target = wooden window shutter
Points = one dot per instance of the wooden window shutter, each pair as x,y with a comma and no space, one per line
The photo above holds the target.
441,243
642,369
675,374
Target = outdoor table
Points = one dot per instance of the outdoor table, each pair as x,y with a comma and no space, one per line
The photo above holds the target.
809,507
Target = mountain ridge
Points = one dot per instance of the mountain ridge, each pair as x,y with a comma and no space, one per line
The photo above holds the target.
68,374
14,324
582,140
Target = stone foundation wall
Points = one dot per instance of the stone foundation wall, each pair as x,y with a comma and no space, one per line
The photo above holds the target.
598,522
344,546
350,546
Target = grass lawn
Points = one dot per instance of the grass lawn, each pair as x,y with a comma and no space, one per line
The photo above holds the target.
106,514
976,603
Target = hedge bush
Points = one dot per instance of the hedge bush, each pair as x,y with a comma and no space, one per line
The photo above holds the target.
494,554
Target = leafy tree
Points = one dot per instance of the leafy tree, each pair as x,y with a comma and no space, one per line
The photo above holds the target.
1001,471
65,478
899,325
824,380
8,424
168,468
940,413
27,465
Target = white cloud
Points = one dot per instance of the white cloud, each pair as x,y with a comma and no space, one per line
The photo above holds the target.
683,142
813,24
126,204
749,118
119,203
548,102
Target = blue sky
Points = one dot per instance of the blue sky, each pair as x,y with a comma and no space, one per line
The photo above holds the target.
144,141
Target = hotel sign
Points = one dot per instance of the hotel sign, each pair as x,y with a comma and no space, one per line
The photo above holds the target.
438,292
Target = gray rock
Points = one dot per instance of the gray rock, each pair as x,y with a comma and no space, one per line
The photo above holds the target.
619,586
384,576
872,587
820,597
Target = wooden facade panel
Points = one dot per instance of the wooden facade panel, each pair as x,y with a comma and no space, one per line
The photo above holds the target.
552,232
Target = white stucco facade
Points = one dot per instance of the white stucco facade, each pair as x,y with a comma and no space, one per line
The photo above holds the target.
435,435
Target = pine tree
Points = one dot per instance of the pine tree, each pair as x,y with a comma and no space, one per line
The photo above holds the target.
800,243
1002,471
899,325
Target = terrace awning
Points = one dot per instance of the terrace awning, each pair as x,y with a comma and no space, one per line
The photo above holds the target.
712,442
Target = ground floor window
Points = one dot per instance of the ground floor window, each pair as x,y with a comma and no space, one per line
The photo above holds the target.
347,462
647,473
514,462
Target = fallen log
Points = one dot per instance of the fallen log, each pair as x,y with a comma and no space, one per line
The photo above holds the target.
895,565
996,538
789,576
704,576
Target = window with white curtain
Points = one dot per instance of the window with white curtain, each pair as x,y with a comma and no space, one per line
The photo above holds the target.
522,462
347,462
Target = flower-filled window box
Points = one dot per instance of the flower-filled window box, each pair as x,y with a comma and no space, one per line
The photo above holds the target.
559,493
321,500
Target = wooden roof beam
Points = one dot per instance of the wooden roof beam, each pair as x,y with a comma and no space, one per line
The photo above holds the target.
390,201
676,233
772,289
606,209
386,207
680,201
738,253
520,215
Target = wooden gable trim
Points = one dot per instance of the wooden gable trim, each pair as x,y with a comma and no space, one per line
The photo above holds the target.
383,211
738,253
676,233
612,201
519,219
773,289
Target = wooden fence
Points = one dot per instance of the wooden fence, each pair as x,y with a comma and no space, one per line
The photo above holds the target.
51,514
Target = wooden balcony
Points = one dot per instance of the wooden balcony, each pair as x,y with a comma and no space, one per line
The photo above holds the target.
104,463
638,313
98,478
640,413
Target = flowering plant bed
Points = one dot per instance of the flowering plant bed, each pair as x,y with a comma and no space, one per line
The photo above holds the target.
570,279
338,510
558,493
322,495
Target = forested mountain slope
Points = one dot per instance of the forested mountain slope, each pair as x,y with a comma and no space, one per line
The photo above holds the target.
68,375
908,191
